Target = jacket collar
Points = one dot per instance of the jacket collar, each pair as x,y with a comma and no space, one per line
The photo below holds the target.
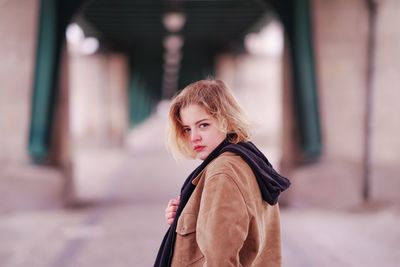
196,180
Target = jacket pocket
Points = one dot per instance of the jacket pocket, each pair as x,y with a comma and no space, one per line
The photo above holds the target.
186,250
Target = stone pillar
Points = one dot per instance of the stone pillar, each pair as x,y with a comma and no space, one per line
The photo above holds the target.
22,185
18,23
99,122
118,121
99,104
385,181
341,45
340,36
62,150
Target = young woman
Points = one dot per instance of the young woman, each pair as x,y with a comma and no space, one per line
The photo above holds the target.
227,213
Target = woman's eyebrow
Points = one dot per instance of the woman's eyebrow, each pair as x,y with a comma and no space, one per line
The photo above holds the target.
197,122
200,121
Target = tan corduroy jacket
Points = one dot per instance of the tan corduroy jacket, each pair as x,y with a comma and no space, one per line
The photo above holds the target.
226,222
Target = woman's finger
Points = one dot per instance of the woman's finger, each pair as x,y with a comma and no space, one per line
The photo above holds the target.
175,201
171,215
170,211
169,204
171,208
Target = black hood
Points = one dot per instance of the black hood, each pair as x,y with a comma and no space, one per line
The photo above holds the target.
270,182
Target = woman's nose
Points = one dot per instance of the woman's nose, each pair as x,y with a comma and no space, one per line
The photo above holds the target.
194,136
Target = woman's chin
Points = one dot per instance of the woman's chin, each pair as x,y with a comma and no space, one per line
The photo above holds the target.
201,155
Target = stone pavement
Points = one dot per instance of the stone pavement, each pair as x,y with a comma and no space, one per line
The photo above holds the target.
119,221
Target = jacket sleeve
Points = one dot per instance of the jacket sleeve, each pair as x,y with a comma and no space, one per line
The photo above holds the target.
222,223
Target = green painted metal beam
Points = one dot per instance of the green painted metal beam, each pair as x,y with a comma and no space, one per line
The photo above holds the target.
145,84
296,18
140,104
53,19
44,82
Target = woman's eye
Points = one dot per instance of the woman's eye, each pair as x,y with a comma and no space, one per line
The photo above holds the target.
204,125
186,130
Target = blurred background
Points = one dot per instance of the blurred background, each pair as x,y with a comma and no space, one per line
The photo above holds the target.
85,87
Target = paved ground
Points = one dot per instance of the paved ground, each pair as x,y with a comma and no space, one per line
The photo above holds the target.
120,223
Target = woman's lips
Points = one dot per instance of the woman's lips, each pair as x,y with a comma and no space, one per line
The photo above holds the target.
199,148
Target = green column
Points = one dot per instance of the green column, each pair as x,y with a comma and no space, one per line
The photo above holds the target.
296,18
145,84
53,19
140,100
47,57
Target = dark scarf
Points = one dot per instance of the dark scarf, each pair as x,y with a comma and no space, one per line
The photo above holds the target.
270,182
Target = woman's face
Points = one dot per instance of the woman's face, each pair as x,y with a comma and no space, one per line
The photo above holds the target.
201,130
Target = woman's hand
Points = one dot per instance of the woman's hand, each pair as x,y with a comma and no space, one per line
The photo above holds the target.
170,211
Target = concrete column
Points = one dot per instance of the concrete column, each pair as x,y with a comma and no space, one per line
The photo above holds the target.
386,99
99,104
99,122
61,154
118,121
340,36
23,186
18,21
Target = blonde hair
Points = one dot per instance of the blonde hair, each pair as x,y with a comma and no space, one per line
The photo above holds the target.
218,101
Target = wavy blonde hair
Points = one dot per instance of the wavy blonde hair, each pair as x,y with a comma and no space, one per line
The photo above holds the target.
218,101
